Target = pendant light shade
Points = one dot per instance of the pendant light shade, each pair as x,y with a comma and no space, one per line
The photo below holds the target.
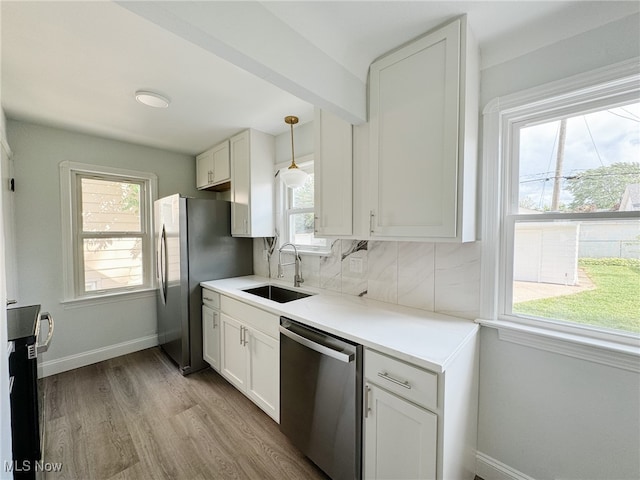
293,177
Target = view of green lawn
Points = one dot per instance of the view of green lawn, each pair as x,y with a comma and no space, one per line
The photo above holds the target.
614,303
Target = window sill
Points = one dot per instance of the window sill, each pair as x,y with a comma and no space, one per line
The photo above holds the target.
605,352
314,253
304,251
88,301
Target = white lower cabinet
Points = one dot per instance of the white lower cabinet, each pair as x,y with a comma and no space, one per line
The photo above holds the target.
211,328
420,424
400,438
263,372
211,336
250,360
233,362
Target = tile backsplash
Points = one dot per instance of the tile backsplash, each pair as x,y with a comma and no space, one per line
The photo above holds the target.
438,277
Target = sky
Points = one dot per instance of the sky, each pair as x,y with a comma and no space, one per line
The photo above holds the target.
593,140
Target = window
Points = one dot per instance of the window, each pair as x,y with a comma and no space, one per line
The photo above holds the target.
298,215
108,220
570,224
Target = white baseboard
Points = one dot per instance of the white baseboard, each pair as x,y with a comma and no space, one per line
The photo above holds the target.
78,360
489,468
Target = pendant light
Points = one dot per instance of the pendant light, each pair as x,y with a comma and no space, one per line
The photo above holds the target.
293,177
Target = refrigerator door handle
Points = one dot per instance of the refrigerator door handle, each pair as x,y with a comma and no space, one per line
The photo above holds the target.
163,264
45,346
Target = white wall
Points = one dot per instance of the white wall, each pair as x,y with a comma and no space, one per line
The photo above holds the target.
5,416
546,415
303,143
83,333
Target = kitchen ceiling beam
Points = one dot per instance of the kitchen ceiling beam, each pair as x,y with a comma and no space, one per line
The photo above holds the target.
249,36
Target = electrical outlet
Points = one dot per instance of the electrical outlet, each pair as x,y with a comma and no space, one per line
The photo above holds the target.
355,265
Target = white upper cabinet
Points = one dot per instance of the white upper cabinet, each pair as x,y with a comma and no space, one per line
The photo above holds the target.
213,169
423,138
252,184
333,175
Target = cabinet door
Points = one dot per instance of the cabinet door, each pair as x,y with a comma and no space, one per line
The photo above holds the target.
414,111
211,336
263,375
399,438
204,169
233,359
221,163
333,174
240,184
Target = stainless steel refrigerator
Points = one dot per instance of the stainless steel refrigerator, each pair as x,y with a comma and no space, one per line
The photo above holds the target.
193,244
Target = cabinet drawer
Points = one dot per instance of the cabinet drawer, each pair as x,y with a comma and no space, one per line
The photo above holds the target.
265,322
211,299
410,382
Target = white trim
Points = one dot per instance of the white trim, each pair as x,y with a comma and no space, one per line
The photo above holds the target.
613,354
610,83
306,163
5,146
566,88
489,468
115,297
67,172
70,362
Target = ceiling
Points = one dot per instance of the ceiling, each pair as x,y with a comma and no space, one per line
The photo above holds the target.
227,66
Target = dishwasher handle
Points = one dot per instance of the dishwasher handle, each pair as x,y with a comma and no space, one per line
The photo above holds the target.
343,357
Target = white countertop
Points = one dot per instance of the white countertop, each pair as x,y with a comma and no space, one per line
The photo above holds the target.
429,340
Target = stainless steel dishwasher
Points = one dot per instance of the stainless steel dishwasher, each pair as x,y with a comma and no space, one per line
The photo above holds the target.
321,398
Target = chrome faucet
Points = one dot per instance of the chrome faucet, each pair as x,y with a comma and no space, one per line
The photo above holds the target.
297,277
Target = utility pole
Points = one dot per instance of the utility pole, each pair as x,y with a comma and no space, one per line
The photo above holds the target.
557,179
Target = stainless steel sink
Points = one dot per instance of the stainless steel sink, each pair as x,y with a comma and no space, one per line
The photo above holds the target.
277,294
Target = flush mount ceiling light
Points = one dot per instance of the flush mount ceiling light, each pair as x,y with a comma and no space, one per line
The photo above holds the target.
152,99
293,177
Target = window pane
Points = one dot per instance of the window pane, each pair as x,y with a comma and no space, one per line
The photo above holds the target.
303,197
301,230
585,163
109,206
112,263
584,272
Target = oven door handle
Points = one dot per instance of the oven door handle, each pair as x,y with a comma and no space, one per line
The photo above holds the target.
343,357
45,346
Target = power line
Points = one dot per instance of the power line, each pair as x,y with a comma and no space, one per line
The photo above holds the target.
636,119
592,140
577,176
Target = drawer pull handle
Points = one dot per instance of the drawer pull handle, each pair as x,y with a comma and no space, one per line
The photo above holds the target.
386,376
208,299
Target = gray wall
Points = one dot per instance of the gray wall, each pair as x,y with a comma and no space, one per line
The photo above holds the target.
5,415
80,329
547,415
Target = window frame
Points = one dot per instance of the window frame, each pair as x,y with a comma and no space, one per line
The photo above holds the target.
71,175
285,211
503,117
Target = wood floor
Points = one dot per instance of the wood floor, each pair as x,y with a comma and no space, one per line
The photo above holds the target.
136,417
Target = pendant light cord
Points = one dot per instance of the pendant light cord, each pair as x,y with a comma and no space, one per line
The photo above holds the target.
293,161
